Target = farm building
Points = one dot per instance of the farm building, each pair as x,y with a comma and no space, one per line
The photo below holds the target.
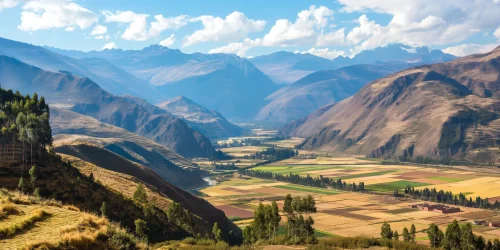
438,208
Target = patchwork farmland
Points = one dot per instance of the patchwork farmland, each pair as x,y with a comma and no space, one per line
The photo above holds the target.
351,213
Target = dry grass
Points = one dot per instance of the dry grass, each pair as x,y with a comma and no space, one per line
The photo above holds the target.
8,209
12,230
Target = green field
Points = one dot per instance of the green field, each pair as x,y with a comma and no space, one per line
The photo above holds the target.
308,189
391,186
317,233
298,169
366,174
244,182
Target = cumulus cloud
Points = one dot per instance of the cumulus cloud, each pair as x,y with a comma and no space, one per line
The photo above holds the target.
300,32
110,45
420,22
332,38
168,41
99,30
468,49
138,24
326,53
237,48
42,15
235,26
5,4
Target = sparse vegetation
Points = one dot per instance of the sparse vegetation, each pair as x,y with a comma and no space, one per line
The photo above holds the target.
38,215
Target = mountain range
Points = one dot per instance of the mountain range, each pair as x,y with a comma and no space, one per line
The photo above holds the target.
227,83
431,111
82,95
209,122
288,67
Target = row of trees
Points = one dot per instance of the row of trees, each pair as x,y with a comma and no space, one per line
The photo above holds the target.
456,237
321,182
273,153
298,228
23,119
447,197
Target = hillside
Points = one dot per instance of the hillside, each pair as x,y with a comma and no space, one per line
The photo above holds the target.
226,83
70,127
86,97
123,176
209,122
299,99
110,77
433,111
288,67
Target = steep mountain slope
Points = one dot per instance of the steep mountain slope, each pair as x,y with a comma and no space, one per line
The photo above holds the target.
209,122
229,84
288,67
320,88
109,161
108,76
443,110
69,128
84,96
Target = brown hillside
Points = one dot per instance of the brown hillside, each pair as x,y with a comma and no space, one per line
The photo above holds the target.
69,127
441,110
109,161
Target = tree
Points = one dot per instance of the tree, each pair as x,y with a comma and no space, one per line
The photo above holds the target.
103,209
452,236
33,176
435,235
496,244
396,235
91,177
413,232
406,235
140,194
467,237
217,232
287,206
37,192
386,232
248,235
141,228
480,243
276,218
21,184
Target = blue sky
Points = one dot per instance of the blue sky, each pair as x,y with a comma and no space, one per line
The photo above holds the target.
251,28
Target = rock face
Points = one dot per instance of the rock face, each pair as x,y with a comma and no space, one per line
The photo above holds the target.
321,88
227,83
84,96
435,111
209,122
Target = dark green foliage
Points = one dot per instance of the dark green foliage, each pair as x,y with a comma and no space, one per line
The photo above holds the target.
141,228
21,184
435,235
273,154
33,176
321,182
386,232
406,235
452,236
103,209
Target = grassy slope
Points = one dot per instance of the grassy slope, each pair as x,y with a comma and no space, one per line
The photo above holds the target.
112,162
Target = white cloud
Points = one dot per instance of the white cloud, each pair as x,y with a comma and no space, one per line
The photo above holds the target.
300,32
138,24
234,27
5,4
171,23
42,15
237,48
102,37
332,38
497,32
99,30
468,49
168,41
110,45
421,22
326,53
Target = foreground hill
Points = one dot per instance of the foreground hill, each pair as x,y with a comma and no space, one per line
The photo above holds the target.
118,173
288,67
437,111
226,83
84,96
321,88
209,122
110,77
69,128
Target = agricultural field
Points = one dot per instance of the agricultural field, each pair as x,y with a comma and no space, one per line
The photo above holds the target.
242,151
350,213
240,163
